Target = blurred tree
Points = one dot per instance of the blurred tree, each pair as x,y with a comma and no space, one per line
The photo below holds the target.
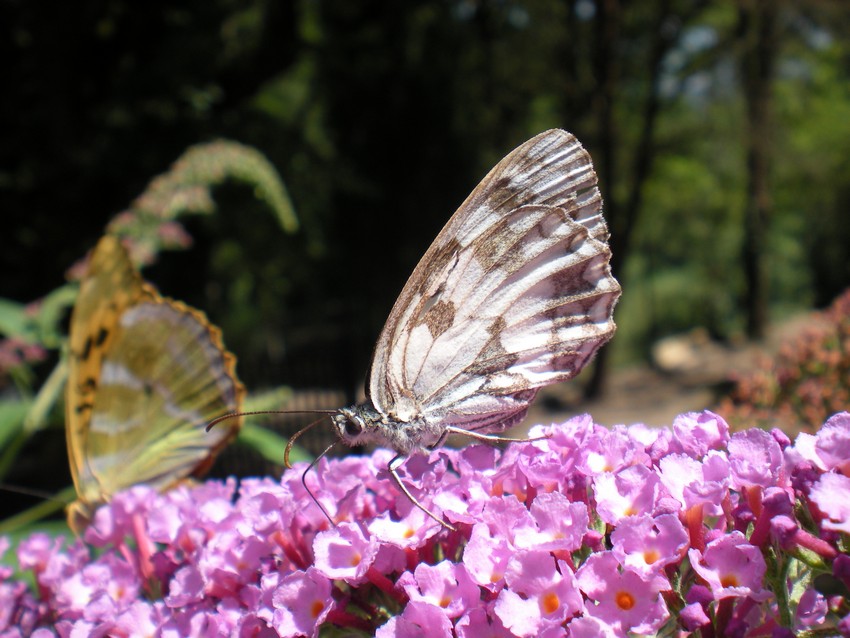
381,118
758,35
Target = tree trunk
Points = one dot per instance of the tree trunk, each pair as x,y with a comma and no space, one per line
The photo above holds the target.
757,23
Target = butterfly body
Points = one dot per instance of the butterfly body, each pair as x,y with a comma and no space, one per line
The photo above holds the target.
362,424
514,294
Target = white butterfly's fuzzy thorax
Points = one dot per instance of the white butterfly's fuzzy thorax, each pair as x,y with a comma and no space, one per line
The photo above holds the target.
362,424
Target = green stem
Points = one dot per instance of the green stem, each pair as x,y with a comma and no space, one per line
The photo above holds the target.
36,418
38,512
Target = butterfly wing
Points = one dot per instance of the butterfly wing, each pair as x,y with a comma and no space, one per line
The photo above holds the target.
146,374
515,293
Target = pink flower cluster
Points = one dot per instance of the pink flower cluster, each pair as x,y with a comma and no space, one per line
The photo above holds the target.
589,532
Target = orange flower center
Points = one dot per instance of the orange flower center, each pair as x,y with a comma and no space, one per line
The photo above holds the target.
729,580
550,602
625,600
316,608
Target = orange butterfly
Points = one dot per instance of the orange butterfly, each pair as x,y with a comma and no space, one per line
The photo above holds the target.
146,374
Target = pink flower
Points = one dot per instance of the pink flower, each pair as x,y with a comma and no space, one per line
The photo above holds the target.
755,459
731,567
344,553
481,623
621,597
693,617
418,619
694,483
529,556
632,490
301,602
590,627
833,443
648,544
811,610
409,532
832,496
486,556
446,585
556,524
100,589
698,432
610,451
540,593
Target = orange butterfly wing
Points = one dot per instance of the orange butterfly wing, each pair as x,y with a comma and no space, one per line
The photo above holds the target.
146,374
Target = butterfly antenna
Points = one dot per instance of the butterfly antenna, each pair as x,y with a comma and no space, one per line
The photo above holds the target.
233,415
295,437
392,468
310,467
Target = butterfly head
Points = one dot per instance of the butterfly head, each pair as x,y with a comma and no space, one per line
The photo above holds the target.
351,426
356,425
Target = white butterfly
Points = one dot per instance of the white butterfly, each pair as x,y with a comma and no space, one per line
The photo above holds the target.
515,293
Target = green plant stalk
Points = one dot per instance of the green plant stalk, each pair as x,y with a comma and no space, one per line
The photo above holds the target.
269,444
38,512
777,582
36,418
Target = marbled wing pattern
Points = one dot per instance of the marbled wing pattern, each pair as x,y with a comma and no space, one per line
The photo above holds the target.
515,293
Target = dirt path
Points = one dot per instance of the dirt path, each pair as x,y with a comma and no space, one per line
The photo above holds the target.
690,373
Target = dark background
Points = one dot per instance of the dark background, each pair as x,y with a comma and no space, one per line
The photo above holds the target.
719,130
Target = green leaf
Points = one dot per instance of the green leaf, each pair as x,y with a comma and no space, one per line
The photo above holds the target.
269,444
21,525
12,414
13,318
275,399
52,312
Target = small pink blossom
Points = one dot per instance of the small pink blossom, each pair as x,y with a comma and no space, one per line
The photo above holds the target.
301,602
731,567
833,443
648,544
556,524
410,531
698,432
418,619
486,556
344,553
621,597
540,593
811,610
446,585
480,622
632,490
610,451
832,496
694,483
755,459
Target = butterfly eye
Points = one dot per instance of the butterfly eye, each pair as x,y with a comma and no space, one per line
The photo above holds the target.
353,428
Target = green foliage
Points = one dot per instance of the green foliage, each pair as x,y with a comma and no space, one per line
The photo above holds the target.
807,381
187,189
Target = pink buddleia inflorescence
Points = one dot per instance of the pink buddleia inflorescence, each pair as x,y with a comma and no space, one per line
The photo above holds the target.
587,532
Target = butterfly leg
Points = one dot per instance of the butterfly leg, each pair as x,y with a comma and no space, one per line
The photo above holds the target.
392,468
490,438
